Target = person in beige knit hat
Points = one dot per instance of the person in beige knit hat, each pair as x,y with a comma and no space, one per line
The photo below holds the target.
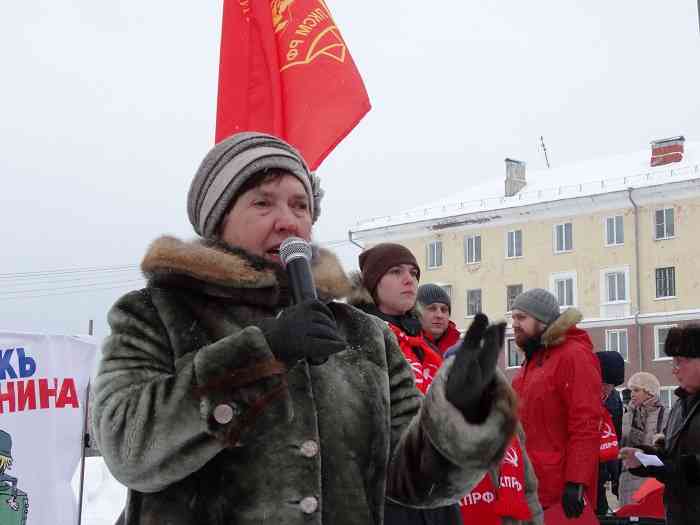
640,425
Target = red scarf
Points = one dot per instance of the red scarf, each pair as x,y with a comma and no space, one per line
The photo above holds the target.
424,370
486,506
609,447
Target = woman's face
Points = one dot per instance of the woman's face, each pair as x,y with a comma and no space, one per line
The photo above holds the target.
266,215
638,395
397,289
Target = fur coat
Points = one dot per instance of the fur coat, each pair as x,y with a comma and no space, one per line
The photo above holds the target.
197,418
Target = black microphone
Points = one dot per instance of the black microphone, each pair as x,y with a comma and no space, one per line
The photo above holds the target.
295,254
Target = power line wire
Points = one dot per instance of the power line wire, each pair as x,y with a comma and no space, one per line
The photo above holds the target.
63,293
11,293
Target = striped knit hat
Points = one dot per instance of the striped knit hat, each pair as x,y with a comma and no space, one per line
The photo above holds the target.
229,164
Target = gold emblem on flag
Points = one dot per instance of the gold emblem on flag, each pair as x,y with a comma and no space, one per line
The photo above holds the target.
328,43
281,14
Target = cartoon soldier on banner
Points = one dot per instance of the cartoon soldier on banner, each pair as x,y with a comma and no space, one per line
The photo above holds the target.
6,481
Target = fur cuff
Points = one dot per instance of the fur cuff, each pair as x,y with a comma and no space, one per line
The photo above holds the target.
241,387
463,443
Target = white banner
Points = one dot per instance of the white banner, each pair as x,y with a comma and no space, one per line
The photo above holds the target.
43,382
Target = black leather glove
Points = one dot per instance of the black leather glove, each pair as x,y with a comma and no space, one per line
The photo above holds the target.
306,330
572,500
473,370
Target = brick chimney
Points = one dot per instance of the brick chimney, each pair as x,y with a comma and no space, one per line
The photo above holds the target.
667,151
515,176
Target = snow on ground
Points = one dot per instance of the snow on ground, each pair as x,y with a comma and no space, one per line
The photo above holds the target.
103,496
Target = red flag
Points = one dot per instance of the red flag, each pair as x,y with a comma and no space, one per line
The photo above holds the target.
286,70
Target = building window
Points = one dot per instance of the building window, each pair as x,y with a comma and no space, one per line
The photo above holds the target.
616,341
564,291
660,333
512,291
473,302
563,237
472,249
665,282
515,244
514,356
614,231
668,397
665,228
435,254
615,287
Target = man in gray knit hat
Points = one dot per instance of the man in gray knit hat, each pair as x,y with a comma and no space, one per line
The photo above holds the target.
436,307
559,387
219,401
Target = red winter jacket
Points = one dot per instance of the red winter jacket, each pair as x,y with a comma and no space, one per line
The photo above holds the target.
559,390
448,339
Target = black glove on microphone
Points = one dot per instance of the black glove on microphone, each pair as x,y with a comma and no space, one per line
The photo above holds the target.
473,370
572,500
305,330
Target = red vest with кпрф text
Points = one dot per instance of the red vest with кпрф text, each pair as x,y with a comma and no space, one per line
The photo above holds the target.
424,370
487,505
609,447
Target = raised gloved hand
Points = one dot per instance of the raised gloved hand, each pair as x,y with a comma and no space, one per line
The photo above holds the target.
572,500
305,330
473,370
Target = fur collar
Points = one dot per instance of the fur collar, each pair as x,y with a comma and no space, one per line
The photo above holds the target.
555,334
217,266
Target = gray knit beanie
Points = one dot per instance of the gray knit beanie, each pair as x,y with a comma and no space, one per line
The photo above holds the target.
538,303
229,164
432,293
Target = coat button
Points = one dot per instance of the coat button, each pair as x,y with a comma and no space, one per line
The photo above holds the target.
308,505
223,414
309,449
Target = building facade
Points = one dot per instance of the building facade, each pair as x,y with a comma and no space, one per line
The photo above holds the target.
623,249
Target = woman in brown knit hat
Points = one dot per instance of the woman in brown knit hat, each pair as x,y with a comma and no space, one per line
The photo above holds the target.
387,287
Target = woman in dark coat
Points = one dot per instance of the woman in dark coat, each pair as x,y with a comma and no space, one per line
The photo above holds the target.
679,450
219,402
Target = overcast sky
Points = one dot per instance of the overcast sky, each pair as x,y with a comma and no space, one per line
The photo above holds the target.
107,108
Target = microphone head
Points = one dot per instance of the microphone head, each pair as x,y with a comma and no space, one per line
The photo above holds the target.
293,248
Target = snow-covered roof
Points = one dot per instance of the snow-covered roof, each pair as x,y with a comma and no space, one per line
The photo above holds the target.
592,177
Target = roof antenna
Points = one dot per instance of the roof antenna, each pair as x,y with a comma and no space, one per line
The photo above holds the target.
544,148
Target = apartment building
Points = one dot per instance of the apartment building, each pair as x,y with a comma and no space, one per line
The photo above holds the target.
616,238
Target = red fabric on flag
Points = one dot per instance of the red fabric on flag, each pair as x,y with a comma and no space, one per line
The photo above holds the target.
285,70
648,501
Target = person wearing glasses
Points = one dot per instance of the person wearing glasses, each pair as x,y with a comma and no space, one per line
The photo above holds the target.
680,450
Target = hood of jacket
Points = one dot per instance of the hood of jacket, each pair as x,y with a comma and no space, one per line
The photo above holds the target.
215,269
561,329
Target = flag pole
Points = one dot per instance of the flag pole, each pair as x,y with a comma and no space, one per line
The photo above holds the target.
84,444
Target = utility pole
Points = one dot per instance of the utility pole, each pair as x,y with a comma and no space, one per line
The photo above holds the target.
90,323
544,148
